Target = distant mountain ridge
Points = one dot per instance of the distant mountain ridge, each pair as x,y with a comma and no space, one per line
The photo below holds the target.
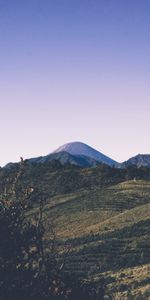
76,153
140,160
66,158
82,155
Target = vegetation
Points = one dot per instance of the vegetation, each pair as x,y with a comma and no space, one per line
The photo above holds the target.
31,259
102,213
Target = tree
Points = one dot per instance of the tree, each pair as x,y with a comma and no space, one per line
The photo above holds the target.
27,270
31,267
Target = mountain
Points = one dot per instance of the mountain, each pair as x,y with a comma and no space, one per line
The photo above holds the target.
81,149
65,158
76,153
140,160
82,155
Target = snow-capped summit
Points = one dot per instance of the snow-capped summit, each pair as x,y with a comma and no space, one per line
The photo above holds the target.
81,149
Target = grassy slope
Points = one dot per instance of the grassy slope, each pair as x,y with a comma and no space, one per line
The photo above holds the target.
110,231
100,209
106,218
128,281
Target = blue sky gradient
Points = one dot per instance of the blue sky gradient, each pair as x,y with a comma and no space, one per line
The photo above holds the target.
74,71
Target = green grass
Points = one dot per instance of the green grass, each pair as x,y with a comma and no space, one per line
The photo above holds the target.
128,281
104,217
100,209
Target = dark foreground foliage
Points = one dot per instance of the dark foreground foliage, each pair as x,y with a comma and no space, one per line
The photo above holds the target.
28,270
31,265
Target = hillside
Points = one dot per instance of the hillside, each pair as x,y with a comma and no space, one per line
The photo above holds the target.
102,212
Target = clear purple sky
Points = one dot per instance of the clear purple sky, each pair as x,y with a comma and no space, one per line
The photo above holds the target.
74,70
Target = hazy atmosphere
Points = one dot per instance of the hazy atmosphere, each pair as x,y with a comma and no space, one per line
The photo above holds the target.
74,71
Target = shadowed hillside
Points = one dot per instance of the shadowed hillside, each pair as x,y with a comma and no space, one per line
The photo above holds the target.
102,212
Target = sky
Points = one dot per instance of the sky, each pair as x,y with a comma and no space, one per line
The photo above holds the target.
74,70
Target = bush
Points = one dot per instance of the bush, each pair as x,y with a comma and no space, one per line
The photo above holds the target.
30,266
